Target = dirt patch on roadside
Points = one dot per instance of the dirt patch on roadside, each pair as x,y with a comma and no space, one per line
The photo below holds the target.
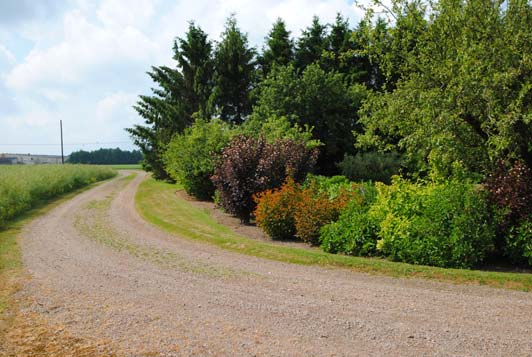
24,332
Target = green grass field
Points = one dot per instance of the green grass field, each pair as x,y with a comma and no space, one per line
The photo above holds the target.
156,201
22,187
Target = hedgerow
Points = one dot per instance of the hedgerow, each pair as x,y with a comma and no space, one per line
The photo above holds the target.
444,224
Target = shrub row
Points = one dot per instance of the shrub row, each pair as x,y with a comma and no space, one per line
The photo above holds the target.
300,211
23,187
445,224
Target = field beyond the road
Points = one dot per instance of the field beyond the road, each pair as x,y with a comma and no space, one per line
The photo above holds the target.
22,187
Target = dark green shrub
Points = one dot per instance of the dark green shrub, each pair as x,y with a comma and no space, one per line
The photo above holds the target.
252,165
518,243
447,224
355,232
371,166
190,156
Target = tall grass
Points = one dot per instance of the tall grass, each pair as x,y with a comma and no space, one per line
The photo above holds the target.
23,187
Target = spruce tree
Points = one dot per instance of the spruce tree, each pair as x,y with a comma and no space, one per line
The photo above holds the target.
164,115
279,48
193,54
337,46
234,75
180,93
311,44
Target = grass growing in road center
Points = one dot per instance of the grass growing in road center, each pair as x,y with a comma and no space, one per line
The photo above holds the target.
157,202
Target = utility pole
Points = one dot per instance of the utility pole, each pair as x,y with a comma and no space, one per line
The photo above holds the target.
62,155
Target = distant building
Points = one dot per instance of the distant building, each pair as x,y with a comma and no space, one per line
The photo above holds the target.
7,160
29,159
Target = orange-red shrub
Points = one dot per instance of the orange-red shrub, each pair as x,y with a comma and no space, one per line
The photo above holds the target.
315,209
275,210
296,211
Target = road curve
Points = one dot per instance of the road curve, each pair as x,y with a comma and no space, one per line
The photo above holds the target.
100,271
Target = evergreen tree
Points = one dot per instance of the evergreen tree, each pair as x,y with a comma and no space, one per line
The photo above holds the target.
279,48
367,67
235,74
338,45
180,93
164,115
311,44
194,58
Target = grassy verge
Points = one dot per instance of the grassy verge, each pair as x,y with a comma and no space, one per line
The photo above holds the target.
127,167
157,203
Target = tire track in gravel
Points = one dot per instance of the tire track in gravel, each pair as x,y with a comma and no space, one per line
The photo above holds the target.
106,275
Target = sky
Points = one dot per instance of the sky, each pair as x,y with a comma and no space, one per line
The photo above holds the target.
84,62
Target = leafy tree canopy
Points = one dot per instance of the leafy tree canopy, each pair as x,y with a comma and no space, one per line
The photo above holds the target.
105,157
316,99
464,91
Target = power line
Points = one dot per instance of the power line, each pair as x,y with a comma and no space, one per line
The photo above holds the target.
71,144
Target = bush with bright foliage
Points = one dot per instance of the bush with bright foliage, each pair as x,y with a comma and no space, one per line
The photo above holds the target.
190,156
301,210
276,210
320,205
355,231
444,224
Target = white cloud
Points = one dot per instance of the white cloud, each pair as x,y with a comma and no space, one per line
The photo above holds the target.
84,49
7,55
115,107
126,12
89,59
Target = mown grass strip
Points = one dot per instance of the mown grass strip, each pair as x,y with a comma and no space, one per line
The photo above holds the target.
157,203
125,166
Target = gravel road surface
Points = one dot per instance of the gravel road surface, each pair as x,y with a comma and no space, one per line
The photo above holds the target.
106,276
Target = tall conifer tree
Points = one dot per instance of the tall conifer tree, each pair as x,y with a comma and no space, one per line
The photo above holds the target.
279,48
193,54
311,44
235,74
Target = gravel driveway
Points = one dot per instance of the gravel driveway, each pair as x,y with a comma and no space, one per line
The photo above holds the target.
104,275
